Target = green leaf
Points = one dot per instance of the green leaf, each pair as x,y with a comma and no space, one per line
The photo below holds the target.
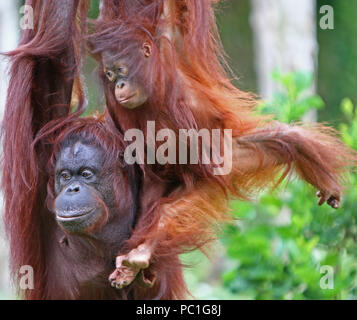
347,107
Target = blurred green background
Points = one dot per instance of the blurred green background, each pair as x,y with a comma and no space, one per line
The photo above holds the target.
279,243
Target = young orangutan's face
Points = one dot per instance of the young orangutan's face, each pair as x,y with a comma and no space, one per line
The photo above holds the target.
129,92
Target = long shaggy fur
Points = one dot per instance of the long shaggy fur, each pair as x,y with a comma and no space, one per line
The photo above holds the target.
39,118
43,69
190,88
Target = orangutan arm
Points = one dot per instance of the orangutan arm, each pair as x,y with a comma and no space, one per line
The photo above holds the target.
261,159
188,221
314,152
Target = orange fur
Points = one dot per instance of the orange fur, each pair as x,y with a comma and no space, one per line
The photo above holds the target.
182,206
190,89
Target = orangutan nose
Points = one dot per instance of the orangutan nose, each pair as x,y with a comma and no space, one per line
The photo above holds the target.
120,85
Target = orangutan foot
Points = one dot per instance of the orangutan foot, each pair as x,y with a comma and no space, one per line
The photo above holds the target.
333,201
128,266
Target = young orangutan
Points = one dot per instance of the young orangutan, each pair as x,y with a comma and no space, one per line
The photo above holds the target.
162,61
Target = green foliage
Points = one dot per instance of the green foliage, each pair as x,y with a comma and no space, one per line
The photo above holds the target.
337,65
280,243
349,130
93,9
292,102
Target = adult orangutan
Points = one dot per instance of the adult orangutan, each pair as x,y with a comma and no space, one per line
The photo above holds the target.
162,61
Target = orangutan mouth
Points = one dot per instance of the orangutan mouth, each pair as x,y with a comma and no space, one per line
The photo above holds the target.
127,99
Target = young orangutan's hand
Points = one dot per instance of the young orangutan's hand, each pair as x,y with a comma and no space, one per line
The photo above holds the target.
333,200
128,266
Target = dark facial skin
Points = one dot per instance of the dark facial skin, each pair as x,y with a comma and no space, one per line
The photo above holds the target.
128,91
79,185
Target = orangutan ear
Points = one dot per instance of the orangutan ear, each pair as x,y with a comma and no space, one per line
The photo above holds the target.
146,49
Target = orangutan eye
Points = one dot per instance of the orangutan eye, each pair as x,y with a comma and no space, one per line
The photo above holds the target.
123,71
65,175
110,75
87,174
